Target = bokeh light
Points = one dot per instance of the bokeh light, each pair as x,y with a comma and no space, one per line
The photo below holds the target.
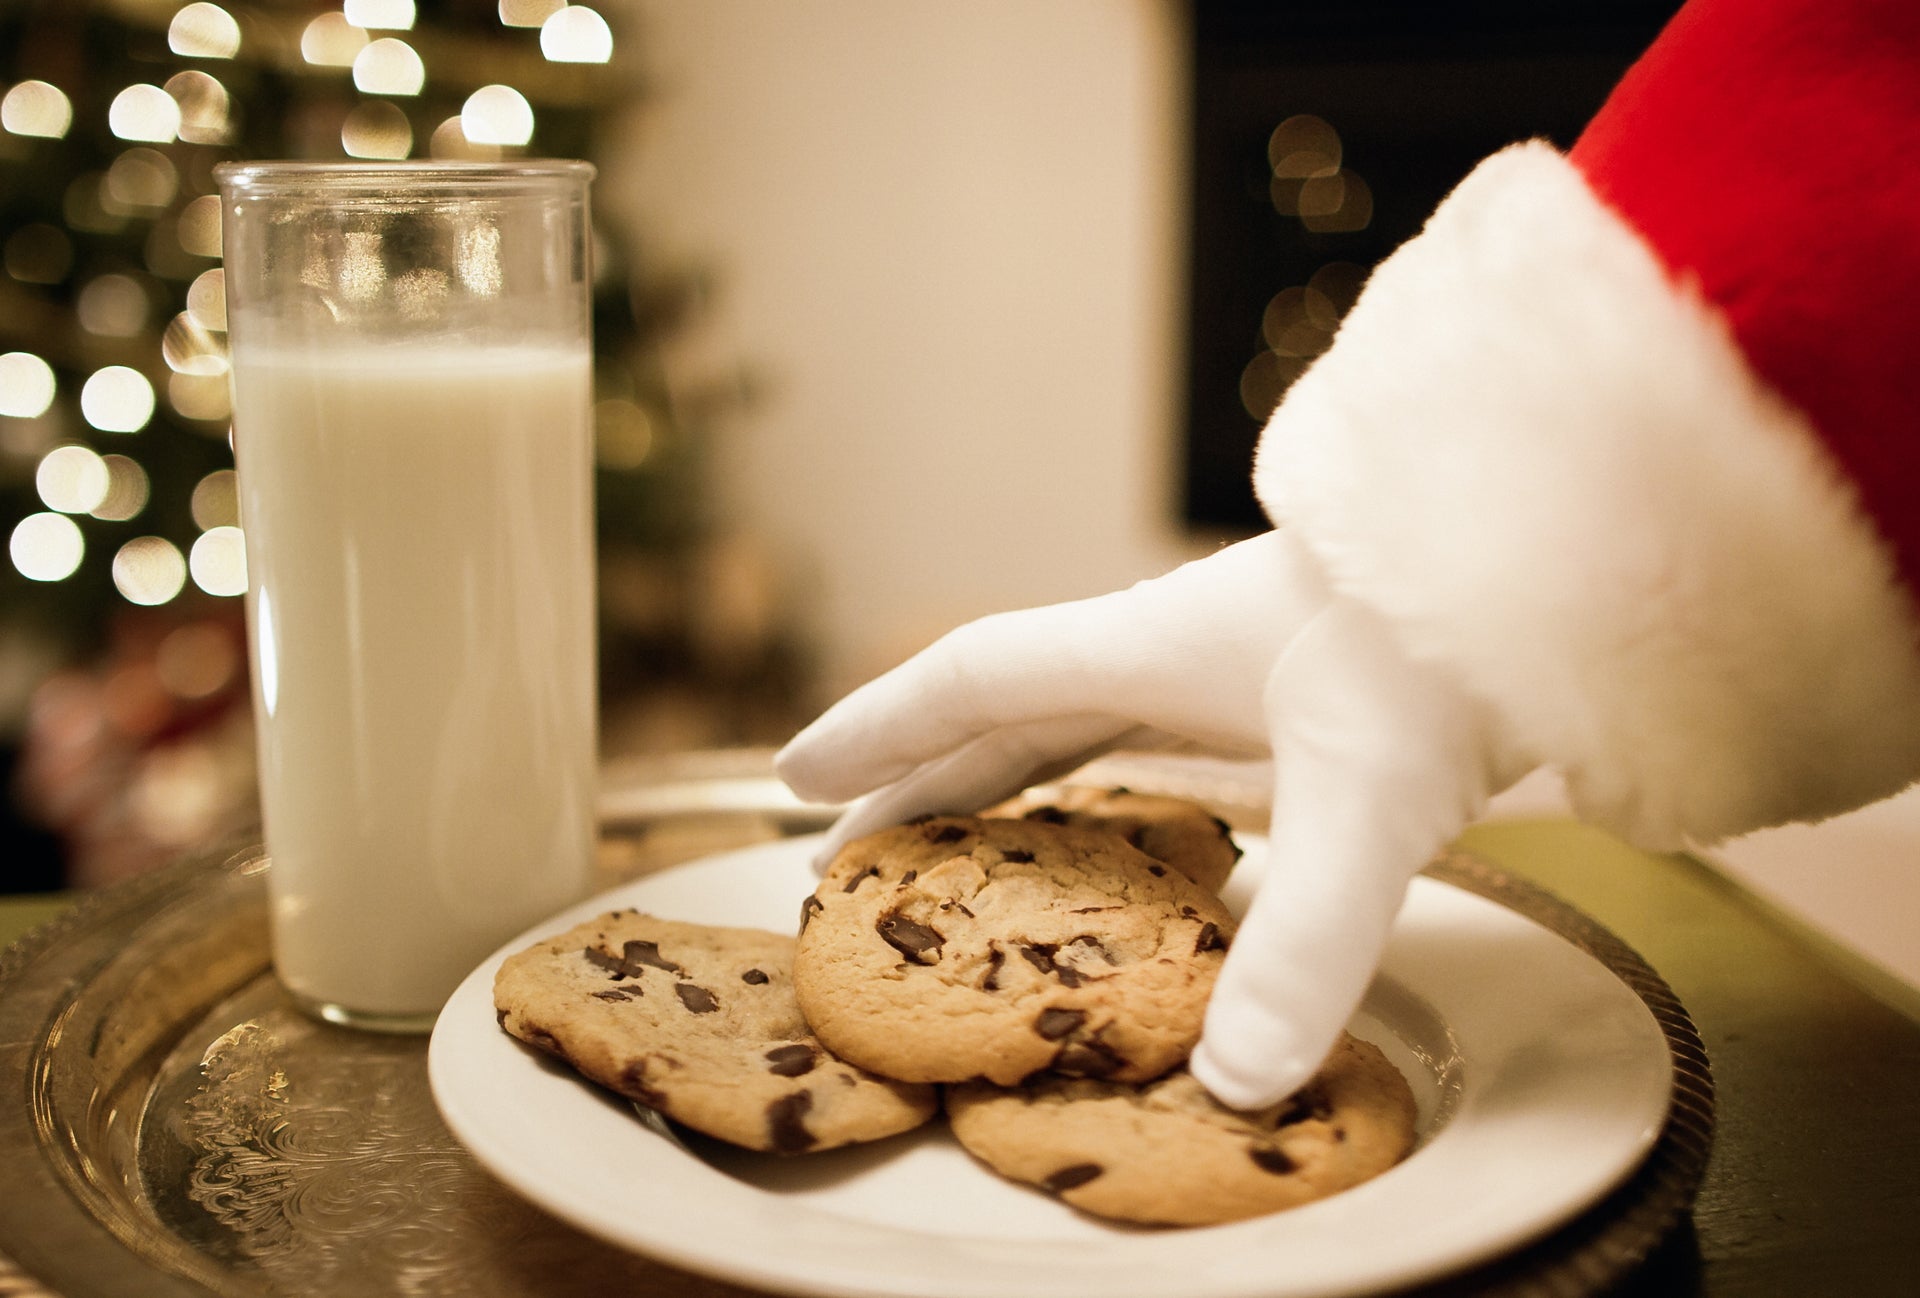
622,434
206,110
207,398
216,500
497,115
27,385
207,299
1265,380
46,547
128,490
71,479
83,209
204,31
36,108
330,41
188,347
389,15
198,226
451,143
389,66
145,113
149,570
39,253
377,129
117,399
218,561
113,306
140,179
197,660
528,13
576,34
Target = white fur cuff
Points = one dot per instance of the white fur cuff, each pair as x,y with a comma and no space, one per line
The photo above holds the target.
1552,470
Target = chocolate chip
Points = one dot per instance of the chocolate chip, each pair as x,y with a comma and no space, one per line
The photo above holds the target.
1157,871
1271,1158
871,872
754,976
637,953
613,964
696,998
1210,939
1310,1104
1095,945
947,833
1136,838
635,956
1056,1023
791,1060
619,994
1018,855
1068,1177
912,940
995,958
909,877
786,1123
1040,957
1087,1059
808,909
1048,815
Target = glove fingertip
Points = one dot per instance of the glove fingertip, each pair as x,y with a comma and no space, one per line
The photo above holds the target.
1247,1089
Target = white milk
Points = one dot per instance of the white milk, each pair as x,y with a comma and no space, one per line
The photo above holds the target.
420,559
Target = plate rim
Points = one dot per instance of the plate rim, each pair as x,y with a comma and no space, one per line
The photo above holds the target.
1471,879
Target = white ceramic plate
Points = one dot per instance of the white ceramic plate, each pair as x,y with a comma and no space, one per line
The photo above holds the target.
1542,1082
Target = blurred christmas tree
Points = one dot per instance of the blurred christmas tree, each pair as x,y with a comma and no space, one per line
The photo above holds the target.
121,662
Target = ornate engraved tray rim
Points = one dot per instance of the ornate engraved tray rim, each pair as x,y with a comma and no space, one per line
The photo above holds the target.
181,1129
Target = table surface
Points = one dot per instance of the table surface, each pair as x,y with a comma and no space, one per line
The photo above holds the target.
1814,1183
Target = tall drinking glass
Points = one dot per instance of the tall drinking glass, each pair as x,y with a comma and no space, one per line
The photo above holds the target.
411,396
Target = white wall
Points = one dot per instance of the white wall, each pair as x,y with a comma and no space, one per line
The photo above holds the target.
950,235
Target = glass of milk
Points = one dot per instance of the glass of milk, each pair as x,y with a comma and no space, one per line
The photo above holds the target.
412,398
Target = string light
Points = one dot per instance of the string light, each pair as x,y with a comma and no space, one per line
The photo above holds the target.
46,547
207,299
218,561
376,129
140,179
528,13
204,31
113,306
576,34
116,399
71,479
146,113
149,570
128,490
330,41
36,108
26,385
216,500
389,15
205,107
389,66
497,115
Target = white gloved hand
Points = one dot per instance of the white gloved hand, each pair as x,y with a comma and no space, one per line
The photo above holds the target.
1378,762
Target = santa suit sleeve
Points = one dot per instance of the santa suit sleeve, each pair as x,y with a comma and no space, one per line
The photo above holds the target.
1625,439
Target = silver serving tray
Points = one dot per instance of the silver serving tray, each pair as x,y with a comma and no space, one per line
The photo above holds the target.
180,1128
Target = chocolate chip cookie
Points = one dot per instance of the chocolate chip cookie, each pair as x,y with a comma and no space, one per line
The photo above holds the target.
1173,831
700,1023
958,947
1167,1153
